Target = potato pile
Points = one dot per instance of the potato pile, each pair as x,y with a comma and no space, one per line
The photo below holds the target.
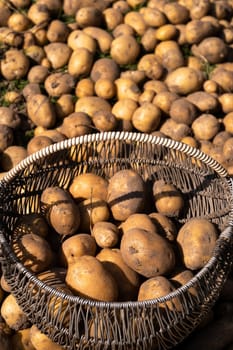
70,68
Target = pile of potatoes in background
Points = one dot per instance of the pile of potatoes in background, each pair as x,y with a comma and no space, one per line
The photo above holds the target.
69,68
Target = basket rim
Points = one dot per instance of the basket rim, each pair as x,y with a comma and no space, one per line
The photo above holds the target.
129,136
115,135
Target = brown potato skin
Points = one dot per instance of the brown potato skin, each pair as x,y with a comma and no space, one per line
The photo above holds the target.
88,278
89,185
125,194
197,239
127,279
147,253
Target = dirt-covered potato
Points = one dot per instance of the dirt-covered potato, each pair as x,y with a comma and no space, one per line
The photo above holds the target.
6,137
13,314
128,281
58,84
146,118
184,80
183,111
37,143
80,62
11,156
147,253
76,124
125,49
87,277
103,38
205,127
15,64
75,246
169,54
58,54
197,239
106,234
125,194
175,130
168,199
204,101
41,110
92,210
89,185
92,104
213,49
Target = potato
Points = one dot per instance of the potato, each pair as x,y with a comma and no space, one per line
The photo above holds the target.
125,49
146,118
103,38
58,54
58,31
57,84
92,210
183,111
191,141
33,251
136,21
88,185
41,110
18,22
5,287
225,100
168,199
223,78
166,32
121,29
213,49
157,287
196,240
148,40
155,85
32,223
88,278
12,156
147,252
164,225
112,18
105,121
76,124
125,194
64,106
54,194
75,246
35,52
92,104
12,313
41,341
105,68
153,17
169,54
221,137
227,122
64,217
106,234
15,64
184,80
150,64
127,87
199,9
164,100
123,109
38,13
176,13
138,220
227,149
37,143
196,30
21,340
80,62
174,130
10,37
105,88
37,74
204,101
181,278
128,280
78,39
88,16
205,127
6,137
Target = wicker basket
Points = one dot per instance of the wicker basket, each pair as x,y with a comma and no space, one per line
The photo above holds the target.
119,325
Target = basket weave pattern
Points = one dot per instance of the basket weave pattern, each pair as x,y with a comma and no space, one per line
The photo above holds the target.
76,323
